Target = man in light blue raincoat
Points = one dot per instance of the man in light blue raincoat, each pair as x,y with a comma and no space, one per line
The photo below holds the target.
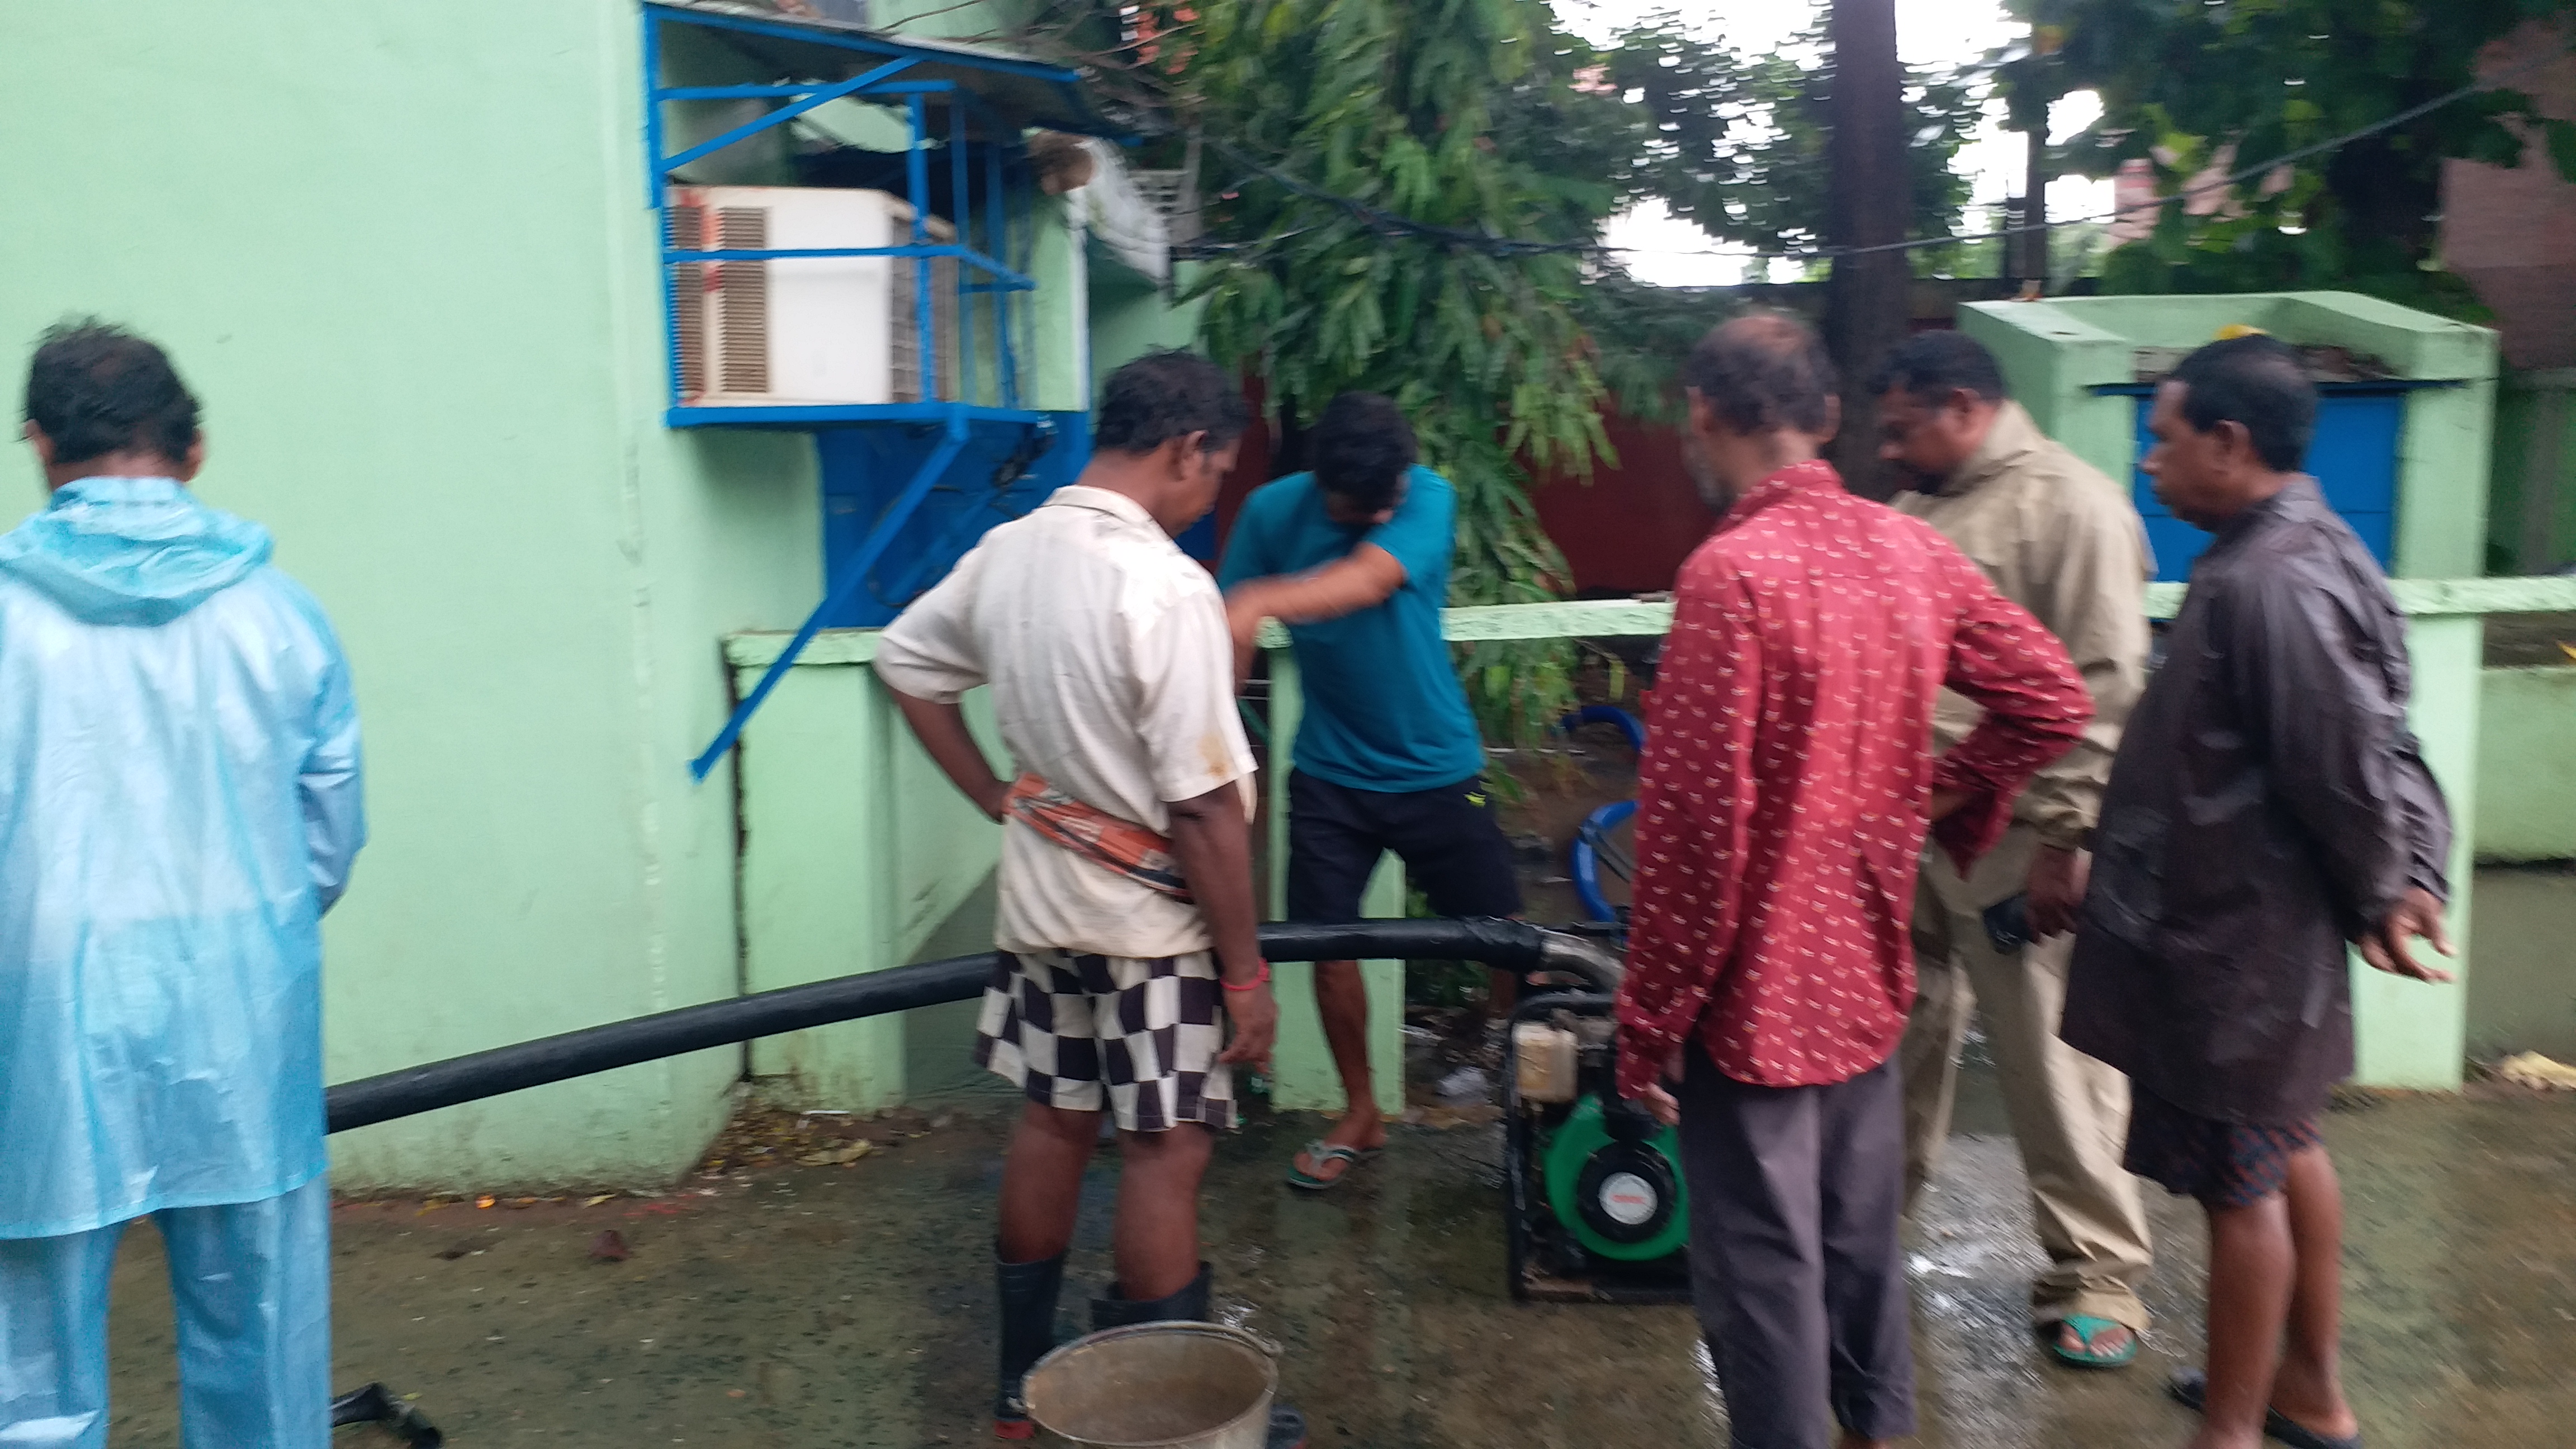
179,804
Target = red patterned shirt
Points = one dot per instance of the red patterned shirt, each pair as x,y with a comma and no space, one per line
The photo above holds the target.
1788,771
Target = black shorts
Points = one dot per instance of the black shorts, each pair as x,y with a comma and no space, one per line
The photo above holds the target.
1451,846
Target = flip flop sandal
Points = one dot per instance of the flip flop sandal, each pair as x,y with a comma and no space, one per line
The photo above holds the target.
2190,1388
2086,1327
1324,1154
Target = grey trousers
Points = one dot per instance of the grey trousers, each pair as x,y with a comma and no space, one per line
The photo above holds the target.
1794,1198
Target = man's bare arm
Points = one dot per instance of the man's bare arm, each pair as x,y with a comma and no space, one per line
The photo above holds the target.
942,731
1366,577
1213,843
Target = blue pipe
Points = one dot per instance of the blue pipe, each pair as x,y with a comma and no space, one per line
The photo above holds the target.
1587,854
1628,723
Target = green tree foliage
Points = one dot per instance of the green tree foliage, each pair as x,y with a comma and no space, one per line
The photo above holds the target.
1456,115
2181,80
1401,196
1738,144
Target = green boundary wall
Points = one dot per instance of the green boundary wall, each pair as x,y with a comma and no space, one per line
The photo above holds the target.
831,706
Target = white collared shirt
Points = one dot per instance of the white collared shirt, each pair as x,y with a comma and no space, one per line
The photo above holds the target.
1112,673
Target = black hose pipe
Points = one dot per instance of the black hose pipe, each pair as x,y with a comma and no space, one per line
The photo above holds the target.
1511,945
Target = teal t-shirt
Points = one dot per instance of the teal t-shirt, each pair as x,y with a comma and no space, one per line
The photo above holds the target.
1384,710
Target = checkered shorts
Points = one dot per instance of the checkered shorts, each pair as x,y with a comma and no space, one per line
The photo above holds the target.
1062,1027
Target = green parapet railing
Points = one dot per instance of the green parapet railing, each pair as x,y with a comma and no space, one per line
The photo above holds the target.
854,844
2409,1035
1615,618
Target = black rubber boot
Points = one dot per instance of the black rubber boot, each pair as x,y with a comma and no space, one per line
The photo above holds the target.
1190,1305
1028,1292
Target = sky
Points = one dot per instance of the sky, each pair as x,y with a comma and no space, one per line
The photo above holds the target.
1929,33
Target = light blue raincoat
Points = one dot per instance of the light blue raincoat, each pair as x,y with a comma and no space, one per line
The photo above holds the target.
179,804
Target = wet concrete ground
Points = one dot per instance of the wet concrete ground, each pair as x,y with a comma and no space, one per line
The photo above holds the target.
816,1306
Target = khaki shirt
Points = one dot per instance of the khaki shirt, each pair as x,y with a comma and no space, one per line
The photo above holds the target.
2064,542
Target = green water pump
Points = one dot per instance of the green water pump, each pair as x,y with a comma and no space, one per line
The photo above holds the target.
1621,1197
1598,1208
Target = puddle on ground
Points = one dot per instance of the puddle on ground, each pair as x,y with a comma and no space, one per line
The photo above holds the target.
852,1305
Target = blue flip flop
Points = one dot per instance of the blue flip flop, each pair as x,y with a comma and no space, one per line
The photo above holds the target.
1324,1154
2087,1327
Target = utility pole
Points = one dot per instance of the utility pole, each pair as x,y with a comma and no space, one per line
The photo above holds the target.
2034,243
1867,301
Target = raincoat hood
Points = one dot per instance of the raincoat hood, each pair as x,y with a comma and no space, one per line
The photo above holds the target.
131,550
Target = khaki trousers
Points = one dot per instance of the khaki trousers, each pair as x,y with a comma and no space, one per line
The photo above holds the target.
2069,1112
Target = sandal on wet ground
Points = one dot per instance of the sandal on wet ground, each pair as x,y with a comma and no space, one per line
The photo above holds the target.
1323,1155
2087,1329
2190,1388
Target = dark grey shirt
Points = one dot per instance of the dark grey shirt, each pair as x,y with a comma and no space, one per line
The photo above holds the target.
2266,802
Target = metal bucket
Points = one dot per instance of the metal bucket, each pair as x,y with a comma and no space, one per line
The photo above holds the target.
1171,1385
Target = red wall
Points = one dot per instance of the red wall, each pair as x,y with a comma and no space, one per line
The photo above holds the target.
1628,530
1251,469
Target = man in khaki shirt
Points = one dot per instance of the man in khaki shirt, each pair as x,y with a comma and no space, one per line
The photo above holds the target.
2065,543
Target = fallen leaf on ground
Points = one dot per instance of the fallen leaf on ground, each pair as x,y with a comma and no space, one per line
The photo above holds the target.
837,1156
596,1201
610,1247
2531,1069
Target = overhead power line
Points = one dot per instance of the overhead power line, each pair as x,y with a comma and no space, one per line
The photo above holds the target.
1381,220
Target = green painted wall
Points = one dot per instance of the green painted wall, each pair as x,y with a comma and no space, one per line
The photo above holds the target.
2527,765
1130,316
817,839
1303,1077
856,851
428,339
2052,351
2531,521
2406,1033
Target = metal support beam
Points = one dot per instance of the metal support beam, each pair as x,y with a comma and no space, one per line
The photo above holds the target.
916,166
853,575
961,203
1039,438
997,240
787,113
862,43
1004,278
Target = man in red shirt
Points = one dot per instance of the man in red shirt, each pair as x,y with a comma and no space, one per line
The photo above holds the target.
1787,786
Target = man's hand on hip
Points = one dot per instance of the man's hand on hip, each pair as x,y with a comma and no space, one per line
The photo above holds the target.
2055,892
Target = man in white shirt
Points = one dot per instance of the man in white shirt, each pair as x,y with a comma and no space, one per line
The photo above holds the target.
1127,927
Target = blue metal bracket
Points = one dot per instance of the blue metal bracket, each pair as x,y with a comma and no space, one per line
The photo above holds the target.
970,522
839,39
974,88
1007,280
852,576
785,113
980,271
807,418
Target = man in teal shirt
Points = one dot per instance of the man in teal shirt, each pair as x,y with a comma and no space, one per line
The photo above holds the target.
1354,558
